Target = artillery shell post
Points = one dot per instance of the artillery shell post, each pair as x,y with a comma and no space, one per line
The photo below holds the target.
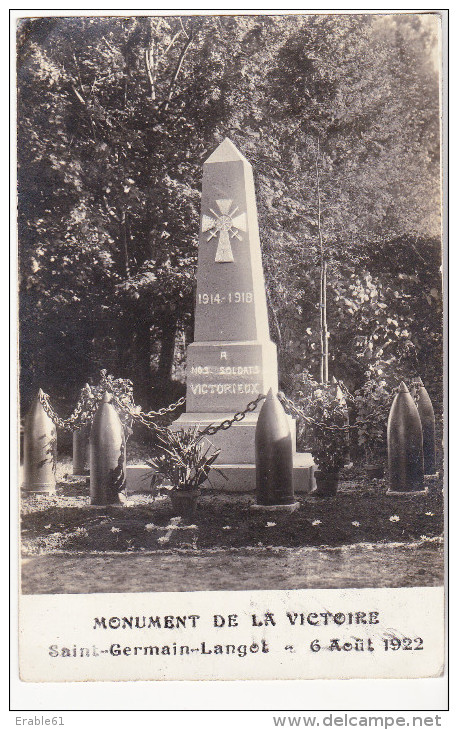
428,424
274,457
107,455
405,445
40,450
81,451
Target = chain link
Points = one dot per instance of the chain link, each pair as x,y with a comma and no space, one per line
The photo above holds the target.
239,416
75,420
90,404
167,409
147,419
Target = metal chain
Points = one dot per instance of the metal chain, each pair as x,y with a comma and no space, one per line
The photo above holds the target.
167,409
227,423
73,422
147,419
288,403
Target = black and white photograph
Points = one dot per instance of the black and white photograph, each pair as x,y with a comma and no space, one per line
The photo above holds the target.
230,234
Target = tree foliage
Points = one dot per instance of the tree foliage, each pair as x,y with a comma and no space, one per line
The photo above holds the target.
115,118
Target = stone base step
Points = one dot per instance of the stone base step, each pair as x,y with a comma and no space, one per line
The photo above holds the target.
237,477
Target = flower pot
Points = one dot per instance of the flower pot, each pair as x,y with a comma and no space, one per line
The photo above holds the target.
375,471
326,484
184,502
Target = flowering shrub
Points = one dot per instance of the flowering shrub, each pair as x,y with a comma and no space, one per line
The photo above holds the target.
372,403
123,391
123,400
326,434
329,442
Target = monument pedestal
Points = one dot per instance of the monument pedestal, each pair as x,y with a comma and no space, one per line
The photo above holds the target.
236,460
242,477
223,377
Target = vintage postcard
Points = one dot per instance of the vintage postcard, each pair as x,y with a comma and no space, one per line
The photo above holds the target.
231,257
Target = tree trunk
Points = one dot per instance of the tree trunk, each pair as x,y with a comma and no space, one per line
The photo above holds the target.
165,365
125,242
324,357
140,369
325,327
321,327
134,352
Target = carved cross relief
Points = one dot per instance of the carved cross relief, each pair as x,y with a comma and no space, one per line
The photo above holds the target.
227,225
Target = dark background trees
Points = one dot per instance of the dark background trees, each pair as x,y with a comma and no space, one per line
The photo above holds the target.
117,115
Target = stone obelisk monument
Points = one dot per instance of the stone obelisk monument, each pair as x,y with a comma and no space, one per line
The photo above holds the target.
232,359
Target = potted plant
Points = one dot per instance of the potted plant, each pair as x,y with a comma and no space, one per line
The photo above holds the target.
323,431
328,438
181,465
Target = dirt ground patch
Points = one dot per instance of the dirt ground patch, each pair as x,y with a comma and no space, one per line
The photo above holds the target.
360,538
360,513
